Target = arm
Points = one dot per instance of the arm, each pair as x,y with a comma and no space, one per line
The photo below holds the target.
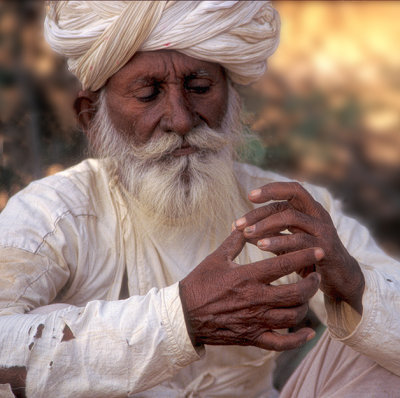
51,242
107,348
361,284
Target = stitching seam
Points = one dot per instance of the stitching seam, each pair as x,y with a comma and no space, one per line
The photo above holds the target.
58,219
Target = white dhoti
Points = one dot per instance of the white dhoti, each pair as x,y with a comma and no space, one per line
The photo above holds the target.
334,370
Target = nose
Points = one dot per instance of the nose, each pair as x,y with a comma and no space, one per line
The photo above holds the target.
178,117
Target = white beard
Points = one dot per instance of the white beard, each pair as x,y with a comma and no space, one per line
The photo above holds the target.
196,188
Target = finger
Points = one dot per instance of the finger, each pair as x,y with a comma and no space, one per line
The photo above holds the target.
293,192
232,245
274,268
275,341
259,213
287,242
294,294
255,240
306,271
282,318
287,219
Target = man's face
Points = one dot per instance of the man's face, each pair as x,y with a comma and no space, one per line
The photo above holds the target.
165,91
168,126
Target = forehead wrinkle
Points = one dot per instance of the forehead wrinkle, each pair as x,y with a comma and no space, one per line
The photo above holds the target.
163,73
142,81
151,78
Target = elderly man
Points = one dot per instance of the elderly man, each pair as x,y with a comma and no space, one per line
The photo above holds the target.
123,276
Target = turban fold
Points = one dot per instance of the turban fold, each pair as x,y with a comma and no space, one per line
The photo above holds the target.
100,37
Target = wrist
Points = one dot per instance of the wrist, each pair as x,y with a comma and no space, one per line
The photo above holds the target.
354,298
189,326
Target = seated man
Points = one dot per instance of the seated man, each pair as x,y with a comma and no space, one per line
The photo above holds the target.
124,276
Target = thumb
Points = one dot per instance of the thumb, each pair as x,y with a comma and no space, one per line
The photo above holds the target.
232,245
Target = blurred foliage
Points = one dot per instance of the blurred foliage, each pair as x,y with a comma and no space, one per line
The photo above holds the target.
38,132
327,111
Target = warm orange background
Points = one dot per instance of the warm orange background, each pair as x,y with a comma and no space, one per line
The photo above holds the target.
326,111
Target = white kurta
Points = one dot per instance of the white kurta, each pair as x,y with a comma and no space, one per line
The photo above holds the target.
68,238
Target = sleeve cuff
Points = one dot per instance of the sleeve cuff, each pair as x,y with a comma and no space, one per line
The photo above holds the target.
174,322
5,391
346,324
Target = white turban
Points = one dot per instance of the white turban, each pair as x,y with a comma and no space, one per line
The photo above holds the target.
100,37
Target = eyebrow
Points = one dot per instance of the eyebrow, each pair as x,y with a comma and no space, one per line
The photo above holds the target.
143,80
199,73
151,79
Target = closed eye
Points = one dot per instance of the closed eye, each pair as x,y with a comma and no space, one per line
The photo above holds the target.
199,89
147,93
197,85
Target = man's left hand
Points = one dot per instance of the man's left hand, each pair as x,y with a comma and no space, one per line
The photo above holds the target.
310,226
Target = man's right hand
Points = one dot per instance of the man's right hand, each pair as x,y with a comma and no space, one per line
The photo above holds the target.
230,304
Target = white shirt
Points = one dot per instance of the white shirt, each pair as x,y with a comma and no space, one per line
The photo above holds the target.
68,238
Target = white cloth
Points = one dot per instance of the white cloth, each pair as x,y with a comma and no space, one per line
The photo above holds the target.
334,370
68,238
99,37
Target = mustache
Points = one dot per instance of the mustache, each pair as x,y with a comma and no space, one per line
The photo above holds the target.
202,138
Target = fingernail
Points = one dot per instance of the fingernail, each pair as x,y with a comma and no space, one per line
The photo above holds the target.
263,243
255,193
310,336
233,226
240,222
319,254
250,229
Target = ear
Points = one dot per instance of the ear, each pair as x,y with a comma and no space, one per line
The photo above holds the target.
85,108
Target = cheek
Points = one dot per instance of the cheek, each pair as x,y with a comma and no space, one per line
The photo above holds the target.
215,106
139,124
213,110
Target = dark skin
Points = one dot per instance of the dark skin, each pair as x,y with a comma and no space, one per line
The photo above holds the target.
310,225
164,91
160,92
226,304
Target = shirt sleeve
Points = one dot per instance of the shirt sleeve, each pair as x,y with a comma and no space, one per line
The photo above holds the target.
377,332
99,348
107,348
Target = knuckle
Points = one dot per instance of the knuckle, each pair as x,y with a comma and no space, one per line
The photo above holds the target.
290,213
293,317
298,239
255,215
307,241
300,294
278,345
297,188
280,206
260,212
286,217
302,312
310,240
298,316
285,264
321,211
320,208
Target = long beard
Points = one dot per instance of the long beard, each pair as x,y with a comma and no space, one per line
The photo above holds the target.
196,189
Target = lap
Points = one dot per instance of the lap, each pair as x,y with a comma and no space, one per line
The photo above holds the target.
333,370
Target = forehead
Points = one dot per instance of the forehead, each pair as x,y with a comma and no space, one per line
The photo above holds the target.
165,64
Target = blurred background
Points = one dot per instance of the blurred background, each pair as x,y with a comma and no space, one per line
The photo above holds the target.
327,111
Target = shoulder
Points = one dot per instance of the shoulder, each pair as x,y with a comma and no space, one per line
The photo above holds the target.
35,211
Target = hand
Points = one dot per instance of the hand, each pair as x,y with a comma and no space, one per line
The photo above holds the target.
311,226
230,304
